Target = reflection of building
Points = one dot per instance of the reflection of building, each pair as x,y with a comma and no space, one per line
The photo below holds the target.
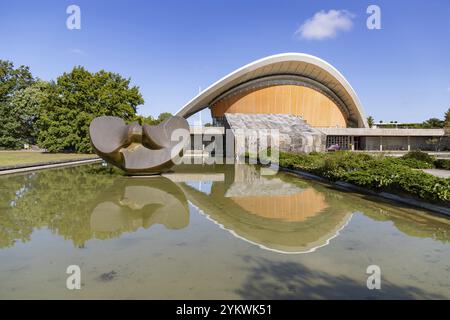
281,214
273,198
296,207
306,99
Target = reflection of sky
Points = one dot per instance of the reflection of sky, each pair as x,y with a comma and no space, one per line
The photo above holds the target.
202,186
21,191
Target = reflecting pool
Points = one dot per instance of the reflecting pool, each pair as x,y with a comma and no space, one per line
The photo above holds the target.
212,232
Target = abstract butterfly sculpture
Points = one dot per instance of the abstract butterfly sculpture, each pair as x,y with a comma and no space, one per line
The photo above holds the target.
139,149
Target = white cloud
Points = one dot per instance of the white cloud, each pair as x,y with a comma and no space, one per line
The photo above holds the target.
448,89
325,25
78,51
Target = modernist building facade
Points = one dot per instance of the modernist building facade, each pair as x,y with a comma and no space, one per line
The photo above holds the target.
304,91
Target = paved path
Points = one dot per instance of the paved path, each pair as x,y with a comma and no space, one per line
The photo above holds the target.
49,166
438,172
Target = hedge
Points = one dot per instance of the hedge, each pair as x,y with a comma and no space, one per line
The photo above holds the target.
397,175
442,164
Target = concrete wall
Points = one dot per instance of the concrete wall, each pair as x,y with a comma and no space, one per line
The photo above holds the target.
396,143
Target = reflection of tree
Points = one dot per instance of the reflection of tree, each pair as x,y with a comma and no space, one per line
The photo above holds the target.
58,199
13,227
63,200
415,224
412,222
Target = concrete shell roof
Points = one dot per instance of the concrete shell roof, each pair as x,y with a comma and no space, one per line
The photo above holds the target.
282,64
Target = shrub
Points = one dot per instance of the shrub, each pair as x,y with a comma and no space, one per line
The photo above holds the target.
401,179
442,164
396,175
419,155
300,161
410,162
338,163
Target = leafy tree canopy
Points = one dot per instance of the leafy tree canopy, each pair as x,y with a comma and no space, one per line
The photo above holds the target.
12,80
152,121
433,123
164,116
76,99
26,107
447,119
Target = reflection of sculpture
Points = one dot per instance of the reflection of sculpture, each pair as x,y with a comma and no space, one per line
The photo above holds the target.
131,204
74,210
136,149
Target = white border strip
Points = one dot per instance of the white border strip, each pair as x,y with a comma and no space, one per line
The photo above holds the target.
48,166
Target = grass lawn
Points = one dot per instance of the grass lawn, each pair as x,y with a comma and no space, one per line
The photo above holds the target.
18,158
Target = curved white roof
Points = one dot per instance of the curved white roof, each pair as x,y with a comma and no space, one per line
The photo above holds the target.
300,64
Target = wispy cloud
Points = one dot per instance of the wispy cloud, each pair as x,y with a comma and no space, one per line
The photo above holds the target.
448,89
78,51
325,25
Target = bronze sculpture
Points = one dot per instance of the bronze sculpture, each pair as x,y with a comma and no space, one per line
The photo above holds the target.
136,149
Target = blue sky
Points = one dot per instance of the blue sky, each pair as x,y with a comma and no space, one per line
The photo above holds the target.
171,48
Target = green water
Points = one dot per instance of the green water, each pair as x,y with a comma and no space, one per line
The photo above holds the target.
211,232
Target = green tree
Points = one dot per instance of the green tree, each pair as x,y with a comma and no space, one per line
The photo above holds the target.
433,123
26,106
446,140
147,120
12,80
164,116
447,119
370,121
76,99
152,121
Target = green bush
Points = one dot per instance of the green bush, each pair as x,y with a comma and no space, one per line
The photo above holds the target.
411,162
401,179
396,175
419,155
442,164
306,162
